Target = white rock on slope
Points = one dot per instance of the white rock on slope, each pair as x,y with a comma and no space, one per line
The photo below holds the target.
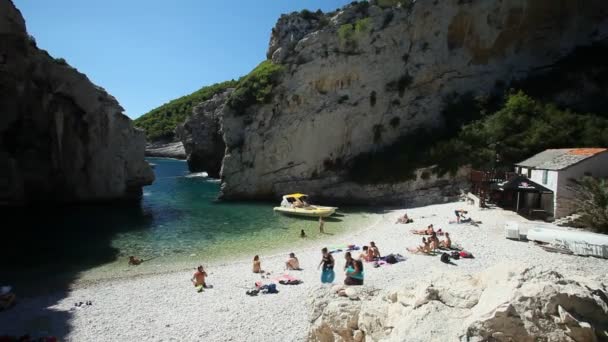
503,303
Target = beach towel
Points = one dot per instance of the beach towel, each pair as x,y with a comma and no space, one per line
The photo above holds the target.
290,282
284,277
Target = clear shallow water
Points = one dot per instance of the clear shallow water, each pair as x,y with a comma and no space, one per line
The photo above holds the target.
178,223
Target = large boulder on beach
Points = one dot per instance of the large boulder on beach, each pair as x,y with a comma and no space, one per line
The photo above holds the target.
503,303
62,138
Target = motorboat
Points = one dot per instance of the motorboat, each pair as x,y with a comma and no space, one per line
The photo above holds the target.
296,204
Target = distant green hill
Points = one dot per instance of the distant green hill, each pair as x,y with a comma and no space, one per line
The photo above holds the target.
160,122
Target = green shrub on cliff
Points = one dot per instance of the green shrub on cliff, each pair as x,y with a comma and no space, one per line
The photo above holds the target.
518,130
160,123
256,87
349,34
522,128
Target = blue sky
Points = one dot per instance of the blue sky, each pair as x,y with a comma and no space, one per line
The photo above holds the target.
147,52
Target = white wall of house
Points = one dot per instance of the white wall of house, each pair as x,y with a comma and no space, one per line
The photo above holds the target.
596,166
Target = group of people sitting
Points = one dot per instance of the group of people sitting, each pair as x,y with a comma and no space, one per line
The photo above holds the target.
370,253
432,243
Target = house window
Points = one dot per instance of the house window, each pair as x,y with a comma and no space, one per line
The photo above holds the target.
545,176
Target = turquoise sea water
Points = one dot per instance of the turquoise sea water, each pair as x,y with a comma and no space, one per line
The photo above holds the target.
178,222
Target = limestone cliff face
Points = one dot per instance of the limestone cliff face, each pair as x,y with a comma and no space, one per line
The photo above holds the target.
201,135
63,139
359,79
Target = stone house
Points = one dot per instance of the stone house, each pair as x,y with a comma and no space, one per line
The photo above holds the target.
554,168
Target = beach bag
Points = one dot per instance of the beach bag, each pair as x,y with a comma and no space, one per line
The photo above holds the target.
455,255
270,288
391,259
465,254
445,257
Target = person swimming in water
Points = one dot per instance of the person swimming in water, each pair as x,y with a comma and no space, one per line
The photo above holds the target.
135,261
302,234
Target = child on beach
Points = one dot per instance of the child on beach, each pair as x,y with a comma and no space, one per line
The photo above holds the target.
321,224
328,274
292,263
257,265
302,234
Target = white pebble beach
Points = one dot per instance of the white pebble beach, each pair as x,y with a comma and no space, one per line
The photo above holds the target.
166,307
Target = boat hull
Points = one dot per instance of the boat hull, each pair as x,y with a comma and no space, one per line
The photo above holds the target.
308,212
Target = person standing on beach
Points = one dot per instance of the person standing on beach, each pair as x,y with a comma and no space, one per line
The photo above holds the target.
321,224
328,274
257,265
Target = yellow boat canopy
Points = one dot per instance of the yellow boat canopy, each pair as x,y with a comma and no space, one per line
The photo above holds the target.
296,195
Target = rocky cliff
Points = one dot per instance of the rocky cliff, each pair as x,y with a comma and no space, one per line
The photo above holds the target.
503,303
357,80
201,135
63,139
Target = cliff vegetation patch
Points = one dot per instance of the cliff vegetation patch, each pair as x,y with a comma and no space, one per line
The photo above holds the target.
160,122
350,34
256,87
521,127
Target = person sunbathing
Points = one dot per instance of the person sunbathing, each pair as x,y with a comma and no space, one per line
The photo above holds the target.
257,265
424,248
428,231
135,261
404,219
447,243
292,263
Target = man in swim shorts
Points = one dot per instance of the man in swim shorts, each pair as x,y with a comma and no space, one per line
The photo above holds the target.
199,276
